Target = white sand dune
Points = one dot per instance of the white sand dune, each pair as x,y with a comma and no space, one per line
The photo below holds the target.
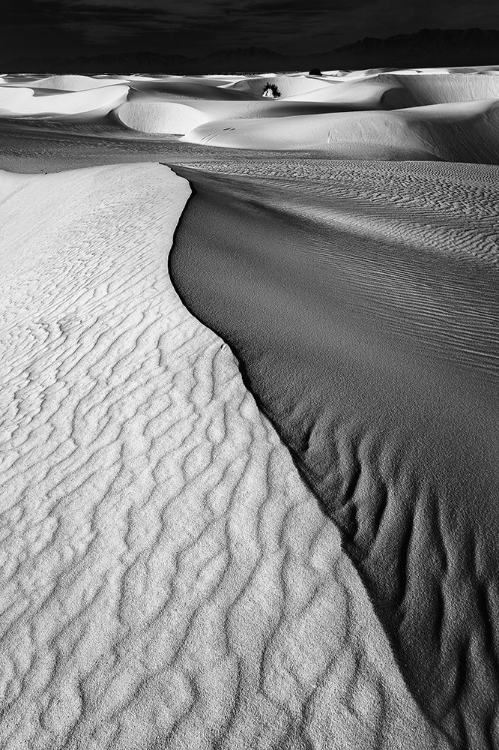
161,113
466,131
73,83
150,116
20,102
192,89
425,89
361,94
288,85
167,580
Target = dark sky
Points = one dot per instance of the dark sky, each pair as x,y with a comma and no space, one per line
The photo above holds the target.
197,27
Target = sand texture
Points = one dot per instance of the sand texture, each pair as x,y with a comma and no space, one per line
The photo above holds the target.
361,300
167,579
249,415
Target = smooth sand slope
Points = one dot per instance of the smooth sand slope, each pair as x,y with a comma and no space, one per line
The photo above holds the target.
167,579
21,102
467,132
361,299
156,113
73,83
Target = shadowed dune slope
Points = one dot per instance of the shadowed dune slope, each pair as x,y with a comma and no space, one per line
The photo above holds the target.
288,85
167,579
194,88
362,94
361,301
424,89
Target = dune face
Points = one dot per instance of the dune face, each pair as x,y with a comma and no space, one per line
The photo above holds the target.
361,301
159,117
440,89
73,83
466,132
100,101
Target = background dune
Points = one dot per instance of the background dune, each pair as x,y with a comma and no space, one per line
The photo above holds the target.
161,113
73,83
160,117
465,132
288,85
440,115
440,89
100,101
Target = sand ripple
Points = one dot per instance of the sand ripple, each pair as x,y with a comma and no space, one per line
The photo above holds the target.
361,299
167,579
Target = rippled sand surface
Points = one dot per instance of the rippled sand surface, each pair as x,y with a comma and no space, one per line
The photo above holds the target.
361,299
167,578
248,489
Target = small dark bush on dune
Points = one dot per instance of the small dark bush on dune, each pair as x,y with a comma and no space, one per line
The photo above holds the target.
271,91
315,72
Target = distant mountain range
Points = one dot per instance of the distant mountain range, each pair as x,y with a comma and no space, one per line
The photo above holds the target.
425,48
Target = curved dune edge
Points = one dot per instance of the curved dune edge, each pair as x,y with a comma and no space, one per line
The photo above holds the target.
20,102
167,577
159,117
374,353
465,132
73,83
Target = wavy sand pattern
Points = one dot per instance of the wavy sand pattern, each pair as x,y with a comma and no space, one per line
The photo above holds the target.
367,324
167,580
286,537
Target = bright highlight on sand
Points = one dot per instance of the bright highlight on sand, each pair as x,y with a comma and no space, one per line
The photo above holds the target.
249,412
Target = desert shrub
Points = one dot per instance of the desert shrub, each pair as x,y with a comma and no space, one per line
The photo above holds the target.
271,90
315,72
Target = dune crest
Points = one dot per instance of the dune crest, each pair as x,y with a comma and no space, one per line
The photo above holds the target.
20,102
73,83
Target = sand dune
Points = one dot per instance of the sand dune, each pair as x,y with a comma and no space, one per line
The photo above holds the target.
464,132
423,89
20,102
295,549
167,579
371,114
288,85
73,83
160,113
363,94
192,88
361,300
160,117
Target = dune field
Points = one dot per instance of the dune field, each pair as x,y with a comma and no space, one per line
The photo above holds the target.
249,344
